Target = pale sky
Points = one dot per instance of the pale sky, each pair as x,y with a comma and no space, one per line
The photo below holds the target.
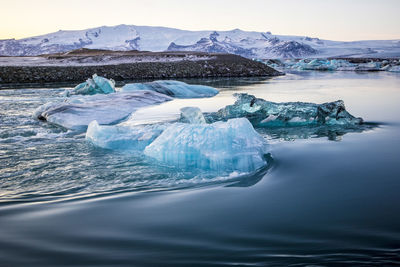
327,19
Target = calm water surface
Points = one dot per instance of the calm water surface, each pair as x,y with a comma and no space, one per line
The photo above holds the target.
328,199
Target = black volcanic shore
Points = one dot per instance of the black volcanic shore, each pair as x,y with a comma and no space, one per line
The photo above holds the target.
74,67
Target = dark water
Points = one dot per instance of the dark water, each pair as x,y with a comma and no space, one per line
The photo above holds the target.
328,199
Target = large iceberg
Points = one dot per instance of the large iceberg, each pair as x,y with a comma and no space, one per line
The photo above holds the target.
263,113
96,85
173,88
221,146
78,111
123,136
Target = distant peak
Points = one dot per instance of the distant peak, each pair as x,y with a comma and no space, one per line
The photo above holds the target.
213,36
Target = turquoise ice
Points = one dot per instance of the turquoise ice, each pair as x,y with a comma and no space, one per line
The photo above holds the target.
173,88
264,113
96,85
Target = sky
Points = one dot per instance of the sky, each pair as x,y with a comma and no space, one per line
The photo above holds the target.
342,20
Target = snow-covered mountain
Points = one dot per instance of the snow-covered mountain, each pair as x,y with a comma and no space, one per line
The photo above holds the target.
245,43
261,47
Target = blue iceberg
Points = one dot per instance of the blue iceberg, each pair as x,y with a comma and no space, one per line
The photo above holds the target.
78,111
123,137
173,88
222,146
263,113
96,85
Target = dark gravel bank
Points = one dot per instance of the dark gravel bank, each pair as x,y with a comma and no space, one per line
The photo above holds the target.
218,65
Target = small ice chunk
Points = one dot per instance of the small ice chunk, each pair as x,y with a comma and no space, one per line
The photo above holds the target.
222,146
96,85
192,115
173,88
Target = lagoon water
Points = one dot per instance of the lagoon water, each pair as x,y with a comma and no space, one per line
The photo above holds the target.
328,198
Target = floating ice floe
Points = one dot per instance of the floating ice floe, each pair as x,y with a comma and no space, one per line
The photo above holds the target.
173,88
263,113
78,111
96,85
221,146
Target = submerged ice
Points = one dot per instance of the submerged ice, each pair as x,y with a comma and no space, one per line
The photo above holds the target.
264,113
173,88
96,85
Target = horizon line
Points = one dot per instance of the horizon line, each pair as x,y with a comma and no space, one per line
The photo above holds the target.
191,30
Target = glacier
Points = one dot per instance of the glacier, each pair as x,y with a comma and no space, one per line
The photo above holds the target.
173,88
264,113
228,146
96,85
77,112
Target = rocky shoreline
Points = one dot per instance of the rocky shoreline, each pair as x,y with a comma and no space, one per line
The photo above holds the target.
205,65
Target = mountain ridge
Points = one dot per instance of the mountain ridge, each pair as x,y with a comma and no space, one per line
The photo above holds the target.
250,44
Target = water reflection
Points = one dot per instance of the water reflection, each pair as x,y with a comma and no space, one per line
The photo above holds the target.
333,133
